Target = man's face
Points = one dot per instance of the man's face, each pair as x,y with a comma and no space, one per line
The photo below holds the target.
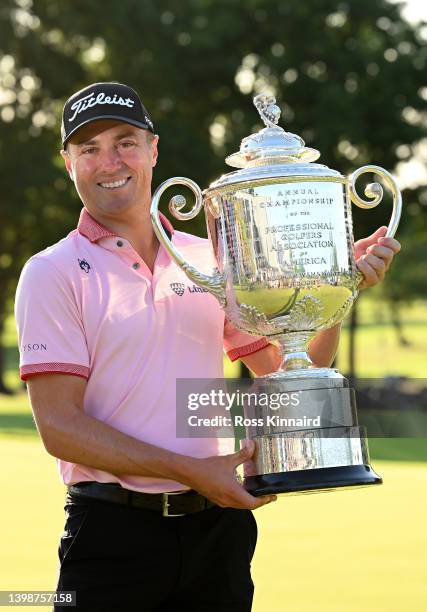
111,164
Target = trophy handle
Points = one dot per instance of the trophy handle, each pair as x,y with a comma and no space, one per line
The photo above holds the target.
215,283
375,192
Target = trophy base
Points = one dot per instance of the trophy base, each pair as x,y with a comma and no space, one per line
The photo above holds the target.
311,481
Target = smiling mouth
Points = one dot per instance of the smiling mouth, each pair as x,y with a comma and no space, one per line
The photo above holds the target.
115,184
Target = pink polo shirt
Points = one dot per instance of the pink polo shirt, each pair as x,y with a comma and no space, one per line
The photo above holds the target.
89,306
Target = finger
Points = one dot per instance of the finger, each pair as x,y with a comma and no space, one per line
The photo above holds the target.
376,263
369,274
383,253
238,497
244,453
372,239
263,500
390,243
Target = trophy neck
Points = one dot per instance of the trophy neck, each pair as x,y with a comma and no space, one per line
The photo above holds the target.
294,347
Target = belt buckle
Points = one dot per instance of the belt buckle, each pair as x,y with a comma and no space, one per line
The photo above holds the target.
166,504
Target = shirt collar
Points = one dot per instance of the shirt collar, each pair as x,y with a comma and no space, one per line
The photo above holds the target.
94,231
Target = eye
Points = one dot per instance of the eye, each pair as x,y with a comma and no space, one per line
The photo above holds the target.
127,144
89,150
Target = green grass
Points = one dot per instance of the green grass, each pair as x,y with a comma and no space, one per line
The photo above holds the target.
378,352
346,551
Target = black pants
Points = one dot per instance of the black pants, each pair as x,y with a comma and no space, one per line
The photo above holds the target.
127,559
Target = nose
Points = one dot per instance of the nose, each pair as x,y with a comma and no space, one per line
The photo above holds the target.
110,160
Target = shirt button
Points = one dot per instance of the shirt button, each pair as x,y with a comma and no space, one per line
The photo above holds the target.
135,266
119,243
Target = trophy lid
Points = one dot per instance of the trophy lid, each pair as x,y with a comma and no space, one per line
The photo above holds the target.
272,152
271,145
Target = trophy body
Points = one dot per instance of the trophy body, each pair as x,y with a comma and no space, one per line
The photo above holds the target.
281,231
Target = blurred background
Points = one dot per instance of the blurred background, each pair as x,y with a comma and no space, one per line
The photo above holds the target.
350,78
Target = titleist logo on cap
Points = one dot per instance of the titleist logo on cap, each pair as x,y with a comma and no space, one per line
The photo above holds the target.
90,100
110,101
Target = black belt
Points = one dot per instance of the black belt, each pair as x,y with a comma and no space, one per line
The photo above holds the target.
168,504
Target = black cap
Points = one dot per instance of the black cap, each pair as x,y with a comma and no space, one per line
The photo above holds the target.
103,101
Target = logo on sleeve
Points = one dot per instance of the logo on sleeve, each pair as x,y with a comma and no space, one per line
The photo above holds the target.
178,288
27,348
84,265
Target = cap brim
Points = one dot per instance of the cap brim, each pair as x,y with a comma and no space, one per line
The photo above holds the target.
143,126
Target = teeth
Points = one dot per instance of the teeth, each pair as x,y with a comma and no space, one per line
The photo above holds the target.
114,185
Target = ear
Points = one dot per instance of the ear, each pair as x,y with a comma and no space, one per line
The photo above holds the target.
66,157
154,150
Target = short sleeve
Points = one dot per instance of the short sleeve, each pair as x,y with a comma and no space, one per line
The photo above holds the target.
238,344
50,330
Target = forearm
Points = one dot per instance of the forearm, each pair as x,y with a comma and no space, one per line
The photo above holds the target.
323,347
322,351
264,361
87,441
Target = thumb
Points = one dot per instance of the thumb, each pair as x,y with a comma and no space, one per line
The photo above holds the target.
245,453
364,243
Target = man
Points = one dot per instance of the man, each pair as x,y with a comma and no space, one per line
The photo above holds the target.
153,522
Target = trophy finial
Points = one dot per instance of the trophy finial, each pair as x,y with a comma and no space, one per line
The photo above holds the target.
272,144
267,108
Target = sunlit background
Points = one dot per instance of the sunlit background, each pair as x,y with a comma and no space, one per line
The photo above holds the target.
350,78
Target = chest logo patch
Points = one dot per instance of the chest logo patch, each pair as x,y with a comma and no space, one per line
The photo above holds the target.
84,265
197,289
178,288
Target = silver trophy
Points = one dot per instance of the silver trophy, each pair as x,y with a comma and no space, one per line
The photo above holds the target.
281,230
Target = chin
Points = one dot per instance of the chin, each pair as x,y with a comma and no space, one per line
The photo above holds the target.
115,206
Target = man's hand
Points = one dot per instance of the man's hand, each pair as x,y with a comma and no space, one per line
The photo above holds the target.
374,255
215,478
68,433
